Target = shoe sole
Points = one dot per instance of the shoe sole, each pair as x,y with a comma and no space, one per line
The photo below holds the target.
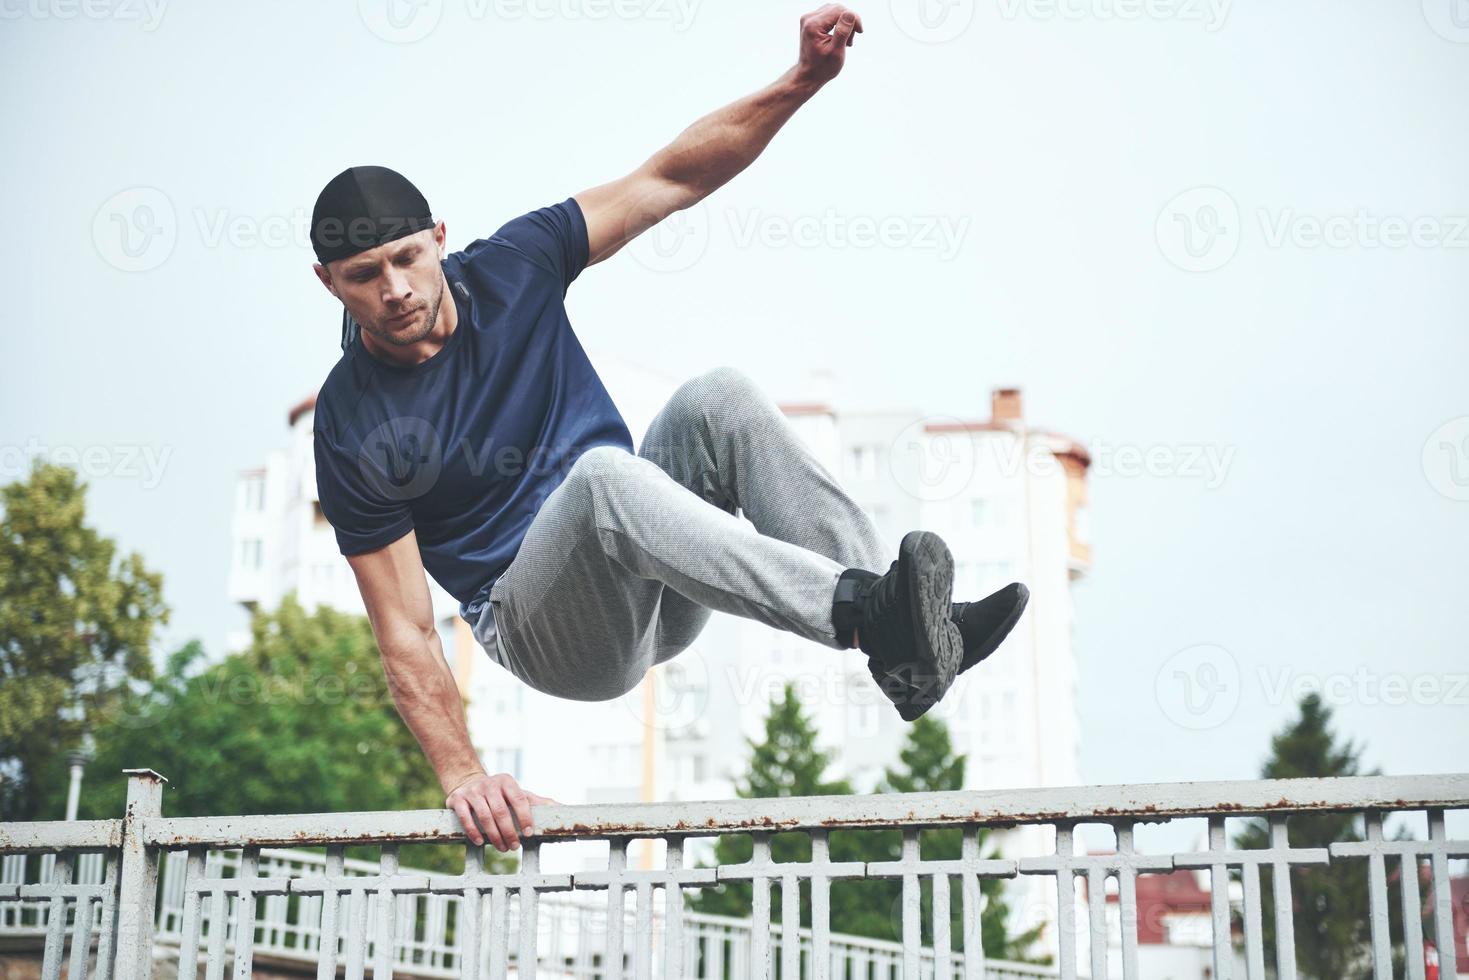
1001,632
929,569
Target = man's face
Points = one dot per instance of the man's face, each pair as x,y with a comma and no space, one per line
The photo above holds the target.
392,291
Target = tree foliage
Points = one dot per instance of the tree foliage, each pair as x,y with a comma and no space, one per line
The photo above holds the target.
299,722
76,625
1332,932
788,762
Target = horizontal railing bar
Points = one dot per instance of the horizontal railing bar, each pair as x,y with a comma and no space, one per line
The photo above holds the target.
58,835
1144,802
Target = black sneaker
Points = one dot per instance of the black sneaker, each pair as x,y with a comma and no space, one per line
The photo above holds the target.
903,621
985,624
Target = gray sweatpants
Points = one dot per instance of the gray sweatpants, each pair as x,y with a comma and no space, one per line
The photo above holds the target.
627,557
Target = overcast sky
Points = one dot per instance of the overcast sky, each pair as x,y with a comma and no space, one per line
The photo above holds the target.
1225,245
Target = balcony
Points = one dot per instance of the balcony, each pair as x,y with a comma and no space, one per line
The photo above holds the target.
153,895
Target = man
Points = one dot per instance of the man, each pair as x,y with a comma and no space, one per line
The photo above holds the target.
464,432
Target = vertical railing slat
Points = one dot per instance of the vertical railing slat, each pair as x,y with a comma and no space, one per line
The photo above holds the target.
249,874
61,873
326,953
616,864
192,918
108,932
1065,904
759,966
1096,902
1378,899
1443,899
912,908
1412,917
1285,929
1223,933
385,933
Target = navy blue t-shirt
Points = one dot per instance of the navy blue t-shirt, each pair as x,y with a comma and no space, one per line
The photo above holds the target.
464,447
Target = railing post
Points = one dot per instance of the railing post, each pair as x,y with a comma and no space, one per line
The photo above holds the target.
138,890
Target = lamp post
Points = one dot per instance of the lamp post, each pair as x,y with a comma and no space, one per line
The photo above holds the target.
78,761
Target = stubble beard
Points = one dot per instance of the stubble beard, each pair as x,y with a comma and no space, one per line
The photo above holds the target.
429,322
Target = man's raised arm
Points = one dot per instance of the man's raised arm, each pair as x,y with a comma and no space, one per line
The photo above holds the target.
395,590
716,147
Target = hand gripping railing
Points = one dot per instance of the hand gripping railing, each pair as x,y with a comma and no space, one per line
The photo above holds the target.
354,913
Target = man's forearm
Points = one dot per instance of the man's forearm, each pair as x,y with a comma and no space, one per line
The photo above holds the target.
428,699
719,145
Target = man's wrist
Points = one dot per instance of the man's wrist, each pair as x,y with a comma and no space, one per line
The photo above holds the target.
452,783
801,82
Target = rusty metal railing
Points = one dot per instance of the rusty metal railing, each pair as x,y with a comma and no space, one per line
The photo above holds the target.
231,886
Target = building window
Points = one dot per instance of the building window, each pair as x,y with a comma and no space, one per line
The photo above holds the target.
252,554
508,761
254,493
864,461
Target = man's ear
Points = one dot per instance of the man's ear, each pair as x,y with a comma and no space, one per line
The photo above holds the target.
325,276
441,235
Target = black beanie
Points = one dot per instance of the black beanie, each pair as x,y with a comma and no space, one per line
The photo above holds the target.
364,207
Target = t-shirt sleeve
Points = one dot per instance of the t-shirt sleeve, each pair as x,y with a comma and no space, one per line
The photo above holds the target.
363,517
553,237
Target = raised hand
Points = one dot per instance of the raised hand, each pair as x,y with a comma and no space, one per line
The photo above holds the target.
826,34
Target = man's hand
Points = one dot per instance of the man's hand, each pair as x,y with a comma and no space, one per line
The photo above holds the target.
489,802
826,34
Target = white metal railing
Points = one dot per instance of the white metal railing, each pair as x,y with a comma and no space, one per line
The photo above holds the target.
233,887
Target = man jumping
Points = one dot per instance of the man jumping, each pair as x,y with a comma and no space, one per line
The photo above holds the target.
465,433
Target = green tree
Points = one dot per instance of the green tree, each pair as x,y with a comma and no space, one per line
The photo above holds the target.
788,762
929,764
1332,932
76,624
301,721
